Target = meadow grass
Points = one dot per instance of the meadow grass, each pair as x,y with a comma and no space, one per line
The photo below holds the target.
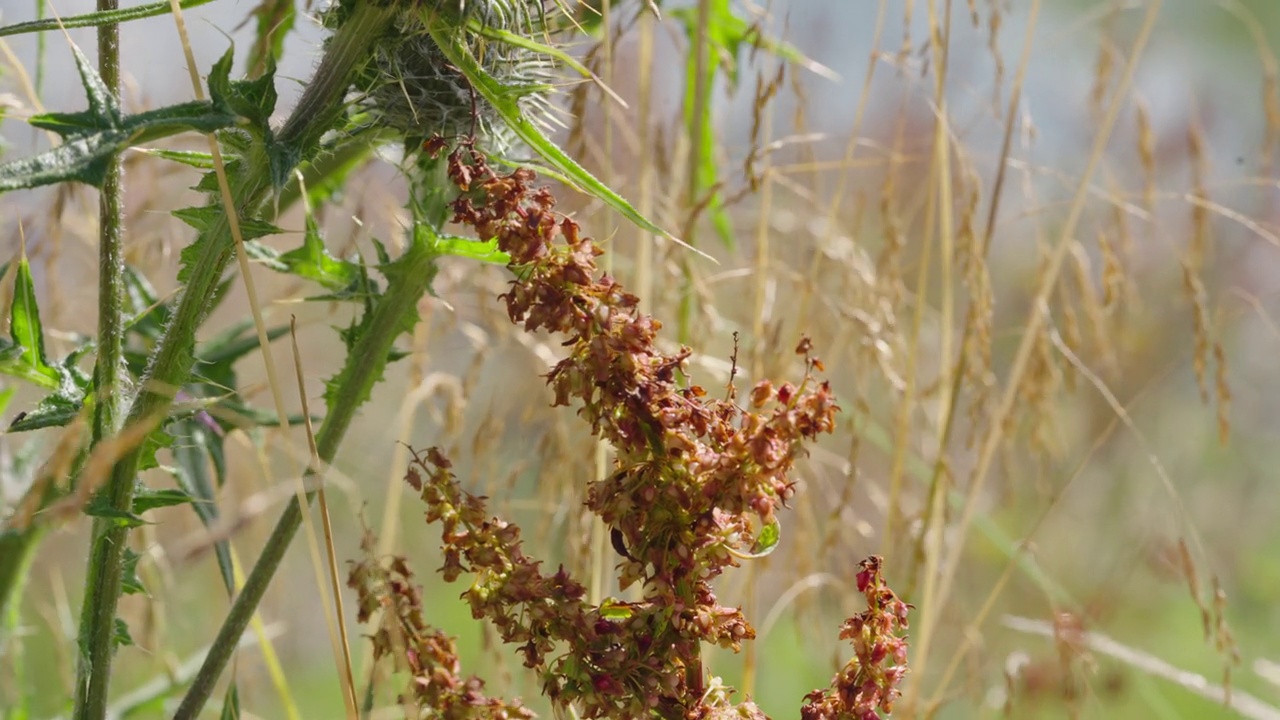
1041,366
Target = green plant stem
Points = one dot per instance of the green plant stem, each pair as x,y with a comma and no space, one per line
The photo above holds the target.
105,569
364,365
170,366
97,19
17,548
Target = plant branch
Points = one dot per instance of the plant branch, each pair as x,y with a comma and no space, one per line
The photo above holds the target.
96,19
320,105
364,365
106,552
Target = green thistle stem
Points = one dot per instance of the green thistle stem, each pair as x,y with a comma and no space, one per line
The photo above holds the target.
320,106
105,570
364,365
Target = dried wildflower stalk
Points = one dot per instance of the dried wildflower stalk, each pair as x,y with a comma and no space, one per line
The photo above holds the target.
868,683
697,484
429,656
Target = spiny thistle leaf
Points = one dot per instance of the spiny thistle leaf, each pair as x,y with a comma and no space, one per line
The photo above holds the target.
100,507
122,638
234,343
202,218
58,408
25,356
313,261
129,583
484,251
146,498
92,137
404,272
145,314
253,99
190,158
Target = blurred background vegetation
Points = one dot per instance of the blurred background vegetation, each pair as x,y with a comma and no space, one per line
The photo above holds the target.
1132,495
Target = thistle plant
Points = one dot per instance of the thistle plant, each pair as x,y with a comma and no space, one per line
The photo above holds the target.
460,85
411,87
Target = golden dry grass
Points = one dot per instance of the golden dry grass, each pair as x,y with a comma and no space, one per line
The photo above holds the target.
1021,350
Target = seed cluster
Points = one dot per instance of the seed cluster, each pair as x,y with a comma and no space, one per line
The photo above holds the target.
868,683
698,484
436,686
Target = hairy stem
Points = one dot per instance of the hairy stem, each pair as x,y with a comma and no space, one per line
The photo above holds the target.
105,563
363,366
96,19
170,366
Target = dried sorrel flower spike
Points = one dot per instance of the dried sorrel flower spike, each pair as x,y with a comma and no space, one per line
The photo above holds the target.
699,480
428,655
868,684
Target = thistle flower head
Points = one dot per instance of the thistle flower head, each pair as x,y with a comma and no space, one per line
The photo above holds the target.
411,87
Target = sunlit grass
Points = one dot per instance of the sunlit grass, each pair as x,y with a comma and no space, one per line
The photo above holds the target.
1041,330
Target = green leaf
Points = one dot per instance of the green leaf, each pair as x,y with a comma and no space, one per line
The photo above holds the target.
241,416
147,316
766,542
325,175
265,256
405,271
384,258
130,584
148,499
27,360
482,250
92,137
611,609
254,99
97,19
505,100
56,409
209,182
190,158
24,357
199,447
552,51
99,507
231,704
234,343
202,218
122,638
154,442
313,261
